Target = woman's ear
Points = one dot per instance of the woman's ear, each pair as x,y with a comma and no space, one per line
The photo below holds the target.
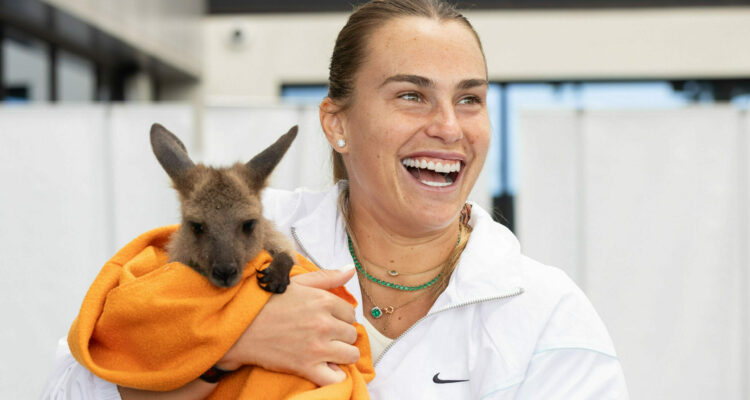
331,120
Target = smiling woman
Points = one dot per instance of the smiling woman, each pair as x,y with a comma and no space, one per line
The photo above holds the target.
451,307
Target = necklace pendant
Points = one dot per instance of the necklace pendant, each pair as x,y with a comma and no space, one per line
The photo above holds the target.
376,312
393,272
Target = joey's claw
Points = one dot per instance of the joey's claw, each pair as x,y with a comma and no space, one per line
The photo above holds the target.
273,281
275,278
263,276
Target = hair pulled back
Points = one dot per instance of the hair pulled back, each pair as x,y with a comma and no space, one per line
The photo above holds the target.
349,53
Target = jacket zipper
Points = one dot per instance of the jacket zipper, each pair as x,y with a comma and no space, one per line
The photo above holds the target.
304,250
518,291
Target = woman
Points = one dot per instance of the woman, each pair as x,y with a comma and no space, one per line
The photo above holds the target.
452,308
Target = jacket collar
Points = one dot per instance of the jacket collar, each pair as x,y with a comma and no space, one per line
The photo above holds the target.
489,266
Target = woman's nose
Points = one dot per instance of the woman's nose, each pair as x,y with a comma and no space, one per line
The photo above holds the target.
444,124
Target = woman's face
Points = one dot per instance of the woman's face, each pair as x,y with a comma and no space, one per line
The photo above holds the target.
417,127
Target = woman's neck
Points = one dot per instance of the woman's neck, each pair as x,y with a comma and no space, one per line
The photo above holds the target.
401,249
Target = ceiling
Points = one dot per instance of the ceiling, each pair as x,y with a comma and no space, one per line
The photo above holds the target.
280,6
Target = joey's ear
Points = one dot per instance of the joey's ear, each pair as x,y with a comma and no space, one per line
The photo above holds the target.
172,155
261,166
331,121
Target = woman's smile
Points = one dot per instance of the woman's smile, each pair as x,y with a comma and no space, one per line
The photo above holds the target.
434,171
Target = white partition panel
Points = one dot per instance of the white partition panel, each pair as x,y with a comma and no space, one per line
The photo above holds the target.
53,236
661,215
548,211
744,148
142,196
662,247
234,134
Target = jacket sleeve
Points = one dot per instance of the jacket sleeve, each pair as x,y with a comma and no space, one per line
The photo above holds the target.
573,357
573,373
71,380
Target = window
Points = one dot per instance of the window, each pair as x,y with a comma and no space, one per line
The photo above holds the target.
76,78
26,68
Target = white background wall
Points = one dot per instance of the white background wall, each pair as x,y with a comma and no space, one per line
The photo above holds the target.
79,182
648,212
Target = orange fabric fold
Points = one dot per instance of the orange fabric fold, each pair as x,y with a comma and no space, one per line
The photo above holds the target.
154,325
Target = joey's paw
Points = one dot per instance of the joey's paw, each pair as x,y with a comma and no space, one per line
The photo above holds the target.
271,280
275,278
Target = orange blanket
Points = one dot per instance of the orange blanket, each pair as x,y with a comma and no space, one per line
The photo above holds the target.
154,325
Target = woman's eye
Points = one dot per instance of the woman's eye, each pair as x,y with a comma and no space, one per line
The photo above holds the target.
470,100
411,96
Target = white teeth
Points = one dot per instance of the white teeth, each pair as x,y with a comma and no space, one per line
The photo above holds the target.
444,168
436,184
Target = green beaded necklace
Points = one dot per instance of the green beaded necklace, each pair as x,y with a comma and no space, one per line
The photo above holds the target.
385,283
376,311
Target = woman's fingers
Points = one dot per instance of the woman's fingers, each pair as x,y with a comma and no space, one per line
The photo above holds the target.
301,330
326,374
329,279
343,332
341,309
325,279
343,353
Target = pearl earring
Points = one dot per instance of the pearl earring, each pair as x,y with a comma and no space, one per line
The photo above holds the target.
341,143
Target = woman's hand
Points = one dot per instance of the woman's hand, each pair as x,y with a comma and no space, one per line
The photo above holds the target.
304,331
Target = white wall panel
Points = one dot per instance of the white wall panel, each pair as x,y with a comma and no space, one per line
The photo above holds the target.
238,133
744,185
663,216
548,213
53,236
142,196
662,247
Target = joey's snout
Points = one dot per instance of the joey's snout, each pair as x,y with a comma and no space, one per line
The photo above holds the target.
225,274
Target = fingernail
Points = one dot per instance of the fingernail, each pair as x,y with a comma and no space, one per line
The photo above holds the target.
346,268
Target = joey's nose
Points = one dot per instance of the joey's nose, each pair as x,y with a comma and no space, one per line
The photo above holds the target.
224,273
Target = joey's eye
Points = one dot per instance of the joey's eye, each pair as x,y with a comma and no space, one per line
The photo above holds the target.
248,226
196,227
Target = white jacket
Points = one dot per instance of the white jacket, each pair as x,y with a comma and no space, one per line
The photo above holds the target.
506,327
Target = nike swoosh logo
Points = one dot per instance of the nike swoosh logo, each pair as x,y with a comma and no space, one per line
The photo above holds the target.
438,380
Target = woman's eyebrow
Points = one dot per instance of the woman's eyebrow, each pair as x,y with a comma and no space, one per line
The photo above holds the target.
420,81
423,82
472,83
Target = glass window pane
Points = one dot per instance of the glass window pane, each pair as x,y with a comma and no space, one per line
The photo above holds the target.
76,78
26,68
304,94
